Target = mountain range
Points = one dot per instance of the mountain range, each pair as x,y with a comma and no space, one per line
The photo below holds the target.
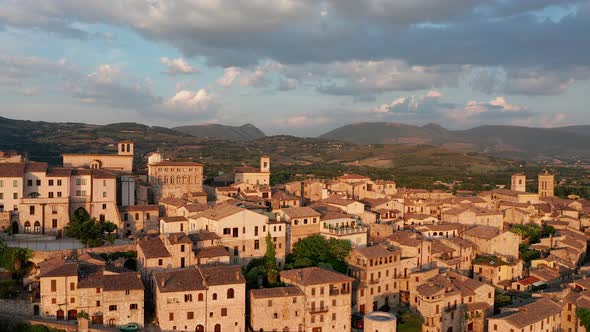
49,140
524,143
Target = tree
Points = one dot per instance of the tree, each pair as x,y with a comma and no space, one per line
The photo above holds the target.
270,257
315,250
584,317
89,231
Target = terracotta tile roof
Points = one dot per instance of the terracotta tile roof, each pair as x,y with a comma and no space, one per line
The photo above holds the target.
376,251
300,212
153,248
210,252
179,280
223,275
35,167
545,274
314,276
218,212
534,312
204,236
177,238
102,174
528,281
287,291
418,216
57,268
338,201
193,208
333,215
112,282
173,201
59,172
174,219
482,232
435,285
12,170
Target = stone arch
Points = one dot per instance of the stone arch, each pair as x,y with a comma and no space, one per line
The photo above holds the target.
37,227
27,227
96,164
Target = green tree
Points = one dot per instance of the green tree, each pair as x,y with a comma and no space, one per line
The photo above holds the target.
315,250
270,258
89,231
584,316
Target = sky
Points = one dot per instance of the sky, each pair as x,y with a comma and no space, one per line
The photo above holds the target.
297,67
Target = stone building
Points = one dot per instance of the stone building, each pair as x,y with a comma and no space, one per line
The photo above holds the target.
376,269
327,297
493,241
518,182
277,309
541,315
201,299
251,177
175,178
109,297
122,161
546,184
301,223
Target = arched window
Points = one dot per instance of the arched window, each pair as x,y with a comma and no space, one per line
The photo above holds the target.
37,227
197,179
200,328
172,179
200,297
217,327
184,179
275,315
27,227
188,297
178,179
230,293
214,296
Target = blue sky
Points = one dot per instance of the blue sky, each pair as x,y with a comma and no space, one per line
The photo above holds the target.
296,66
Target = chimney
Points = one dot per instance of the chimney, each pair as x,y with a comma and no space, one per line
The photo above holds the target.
237,275
163,281
278,217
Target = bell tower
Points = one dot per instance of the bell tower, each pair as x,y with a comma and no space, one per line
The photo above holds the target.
546,184
265,164
518,182
125,148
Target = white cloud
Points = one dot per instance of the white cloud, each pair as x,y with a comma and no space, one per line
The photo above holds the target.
257,78
287,84
105,74
229,75
192,101
177,66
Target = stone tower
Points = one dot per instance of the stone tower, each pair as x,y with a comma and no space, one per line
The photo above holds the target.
546,184
125,148
265,164
518,182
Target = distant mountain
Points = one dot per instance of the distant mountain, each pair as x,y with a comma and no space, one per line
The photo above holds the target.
245,132
568,143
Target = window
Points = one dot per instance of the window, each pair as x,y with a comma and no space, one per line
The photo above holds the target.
133,306
1,183
270,303
171,316
226,231
53,300
214,296
29,183
50,182
50,194
72,286
256,244
188,297
235,232
53,285
190,315
200,297
160,262
102,217
53,209
59,182
38,182
32,210
223,312
72,300
127,292
1,195
98,290
182,248
147,216
255,230
59,194
113,307
98,303
104,206
53,223
14,183
104,194
230,293
15,196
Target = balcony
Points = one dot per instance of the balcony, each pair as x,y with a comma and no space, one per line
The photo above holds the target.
373,281
334,292
318,310
347,231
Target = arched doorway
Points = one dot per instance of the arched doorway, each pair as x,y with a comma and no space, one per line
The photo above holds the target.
14,227
59,315
37,227
81,213
200,328
72,314
27,227
217,327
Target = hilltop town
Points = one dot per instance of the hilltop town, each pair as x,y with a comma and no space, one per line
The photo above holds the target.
322,254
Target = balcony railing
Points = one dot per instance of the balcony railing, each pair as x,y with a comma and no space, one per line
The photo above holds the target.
348,230
318,310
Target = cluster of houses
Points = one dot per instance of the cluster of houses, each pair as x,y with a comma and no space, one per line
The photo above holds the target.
443,256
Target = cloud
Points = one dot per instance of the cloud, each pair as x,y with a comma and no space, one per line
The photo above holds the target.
431,107
287,84
177,66
105,74
192,101
229,75
257,78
